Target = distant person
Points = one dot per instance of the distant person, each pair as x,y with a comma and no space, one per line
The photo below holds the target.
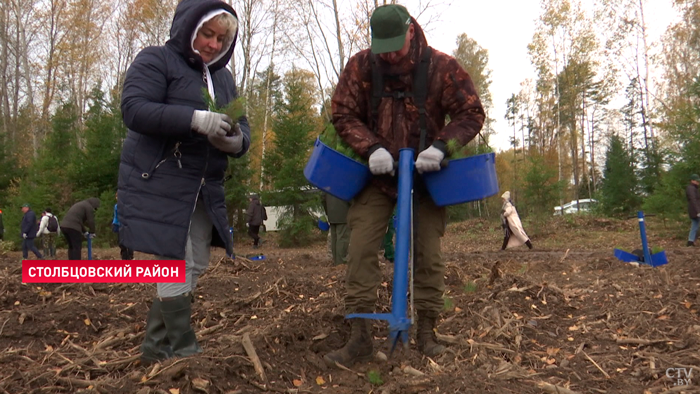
126,253
73,225
255,215
514,235
691,193
29,229
48,231
388,240
337,214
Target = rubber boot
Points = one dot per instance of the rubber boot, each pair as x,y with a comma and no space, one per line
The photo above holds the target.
359,347
690,243
425,332
177,313
155,346
529,244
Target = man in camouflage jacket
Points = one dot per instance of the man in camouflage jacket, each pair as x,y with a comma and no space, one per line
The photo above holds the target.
398,42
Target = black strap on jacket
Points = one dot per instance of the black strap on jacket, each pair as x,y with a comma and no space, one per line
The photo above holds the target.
419,93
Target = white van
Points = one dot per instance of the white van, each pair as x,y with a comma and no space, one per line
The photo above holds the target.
584,205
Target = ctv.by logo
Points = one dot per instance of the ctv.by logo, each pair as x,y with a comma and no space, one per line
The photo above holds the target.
680,376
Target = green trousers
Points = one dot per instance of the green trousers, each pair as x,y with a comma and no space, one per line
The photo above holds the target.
340,237
368,218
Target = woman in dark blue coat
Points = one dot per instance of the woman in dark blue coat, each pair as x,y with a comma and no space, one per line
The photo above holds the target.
171,192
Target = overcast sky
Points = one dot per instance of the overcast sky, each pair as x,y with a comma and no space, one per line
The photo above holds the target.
505,28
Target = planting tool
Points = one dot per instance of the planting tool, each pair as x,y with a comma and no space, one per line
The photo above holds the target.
398,319
653,260
89,247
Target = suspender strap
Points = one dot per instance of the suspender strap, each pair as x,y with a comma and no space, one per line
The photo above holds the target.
420,94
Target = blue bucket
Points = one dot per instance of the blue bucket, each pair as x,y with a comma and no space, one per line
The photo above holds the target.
469,179
324,226
335,173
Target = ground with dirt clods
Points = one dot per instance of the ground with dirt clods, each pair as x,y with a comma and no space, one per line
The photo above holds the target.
566,317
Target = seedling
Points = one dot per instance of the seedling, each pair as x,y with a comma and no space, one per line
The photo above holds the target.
375,378
470,287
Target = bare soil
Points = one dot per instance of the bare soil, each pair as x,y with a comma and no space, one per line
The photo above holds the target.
566,317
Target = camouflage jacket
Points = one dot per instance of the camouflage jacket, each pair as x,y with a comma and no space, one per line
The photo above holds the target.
451,93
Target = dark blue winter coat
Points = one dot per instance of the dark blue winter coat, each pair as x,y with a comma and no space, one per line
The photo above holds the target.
165,166
29,225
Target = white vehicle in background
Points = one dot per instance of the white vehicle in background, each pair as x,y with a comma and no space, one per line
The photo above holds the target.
584,205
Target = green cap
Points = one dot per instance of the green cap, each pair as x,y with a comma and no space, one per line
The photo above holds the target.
25,205
389,24
695,177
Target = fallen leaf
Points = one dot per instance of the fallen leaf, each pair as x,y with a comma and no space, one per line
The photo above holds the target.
551,361
87,322
174,391
320,381
663,317
16,302
297,382
551,351
200,384
687,304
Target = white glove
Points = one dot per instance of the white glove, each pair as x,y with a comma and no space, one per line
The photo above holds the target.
699,215
211,123
91,236
381,162
429,160
24,235
228,144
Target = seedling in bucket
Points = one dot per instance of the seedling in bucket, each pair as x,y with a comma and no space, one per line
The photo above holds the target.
654,260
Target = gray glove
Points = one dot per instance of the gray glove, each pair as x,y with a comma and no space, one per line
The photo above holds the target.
699,215
24,235
211,123
381,162
228,144
429,160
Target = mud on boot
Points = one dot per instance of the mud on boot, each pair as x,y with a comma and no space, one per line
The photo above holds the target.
359,347
425,333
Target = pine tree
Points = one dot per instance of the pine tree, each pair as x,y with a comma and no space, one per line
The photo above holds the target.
620,186
540,189
294,130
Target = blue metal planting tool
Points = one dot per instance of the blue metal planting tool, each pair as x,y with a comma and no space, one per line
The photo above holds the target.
653,260
399,322
89,247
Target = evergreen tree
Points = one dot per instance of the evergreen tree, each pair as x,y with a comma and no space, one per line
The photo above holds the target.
294,127
540,189
684,131
618,192
96,167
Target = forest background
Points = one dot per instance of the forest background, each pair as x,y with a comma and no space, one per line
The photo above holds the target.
604,117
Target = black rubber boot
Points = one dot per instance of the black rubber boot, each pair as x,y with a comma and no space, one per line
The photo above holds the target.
425,332
177,313
690,243
155,346
529,244
359,347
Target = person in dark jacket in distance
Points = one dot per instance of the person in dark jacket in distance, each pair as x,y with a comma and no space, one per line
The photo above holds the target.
377,134
29,227
337,214
171,176
255,216
693,197
74,223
